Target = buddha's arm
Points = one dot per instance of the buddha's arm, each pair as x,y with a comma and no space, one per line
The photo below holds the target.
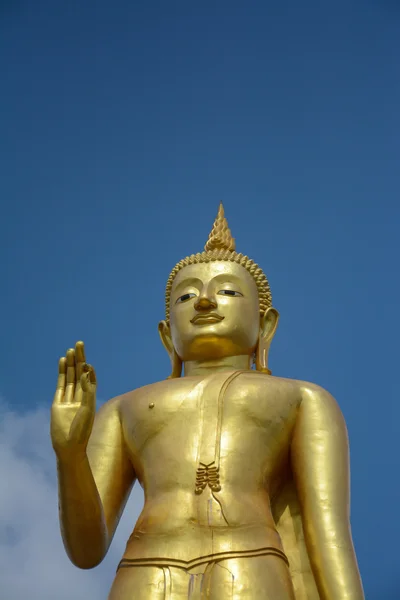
93,490
320,462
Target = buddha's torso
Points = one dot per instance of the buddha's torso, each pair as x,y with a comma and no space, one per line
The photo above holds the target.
239,424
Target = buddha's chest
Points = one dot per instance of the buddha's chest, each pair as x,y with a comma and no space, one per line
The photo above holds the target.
223,418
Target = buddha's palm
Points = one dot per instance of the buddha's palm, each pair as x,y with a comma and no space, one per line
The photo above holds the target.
74,405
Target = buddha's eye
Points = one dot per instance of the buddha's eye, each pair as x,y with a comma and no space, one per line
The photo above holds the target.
229,293
185,297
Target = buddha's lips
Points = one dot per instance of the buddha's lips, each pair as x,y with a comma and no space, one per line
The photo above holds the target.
202,319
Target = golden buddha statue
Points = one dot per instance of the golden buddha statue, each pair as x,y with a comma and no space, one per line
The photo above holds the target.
245,475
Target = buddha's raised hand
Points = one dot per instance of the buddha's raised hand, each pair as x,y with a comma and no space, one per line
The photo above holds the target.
74,405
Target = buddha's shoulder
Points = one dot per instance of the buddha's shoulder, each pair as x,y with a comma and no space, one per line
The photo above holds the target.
158,388
269,381
303,389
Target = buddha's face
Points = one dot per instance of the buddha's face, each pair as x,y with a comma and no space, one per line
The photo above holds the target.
214,311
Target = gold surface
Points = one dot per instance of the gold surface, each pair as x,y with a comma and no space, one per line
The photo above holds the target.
246,475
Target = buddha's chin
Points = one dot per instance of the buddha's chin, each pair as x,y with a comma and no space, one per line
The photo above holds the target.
211,346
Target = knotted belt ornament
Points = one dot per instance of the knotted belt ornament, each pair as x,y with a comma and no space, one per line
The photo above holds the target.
207,475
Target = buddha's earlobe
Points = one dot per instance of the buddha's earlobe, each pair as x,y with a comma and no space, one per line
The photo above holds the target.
165,336
268,326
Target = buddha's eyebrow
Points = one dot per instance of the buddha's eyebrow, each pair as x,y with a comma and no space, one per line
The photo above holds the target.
195,281
228,278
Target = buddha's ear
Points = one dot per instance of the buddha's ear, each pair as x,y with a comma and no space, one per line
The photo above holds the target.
165,336
269,324
166,339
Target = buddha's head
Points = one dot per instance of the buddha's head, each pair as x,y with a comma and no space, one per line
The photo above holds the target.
218,304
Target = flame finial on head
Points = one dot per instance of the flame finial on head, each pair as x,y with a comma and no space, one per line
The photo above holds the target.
220,237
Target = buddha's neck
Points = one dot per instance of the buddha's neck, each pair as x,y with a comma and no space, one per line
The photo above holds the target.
206,367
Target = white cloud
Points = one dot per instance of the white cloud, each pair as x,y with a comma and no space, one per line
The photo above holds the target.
33,562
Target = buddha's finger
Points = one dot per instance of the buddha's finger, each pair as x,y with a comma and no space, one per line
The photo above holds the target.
70,387
79,362
80,359
88,382
61,380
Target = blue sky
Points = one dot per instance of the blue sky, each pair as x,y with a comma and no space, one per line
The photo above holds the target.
122,127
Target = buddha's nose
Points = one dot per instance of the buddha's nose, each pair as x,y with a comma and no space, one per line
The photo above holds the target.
205,302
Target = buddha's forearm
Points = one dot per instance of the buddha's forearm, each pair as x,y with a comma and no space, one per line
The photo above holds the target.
81,513
331,554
